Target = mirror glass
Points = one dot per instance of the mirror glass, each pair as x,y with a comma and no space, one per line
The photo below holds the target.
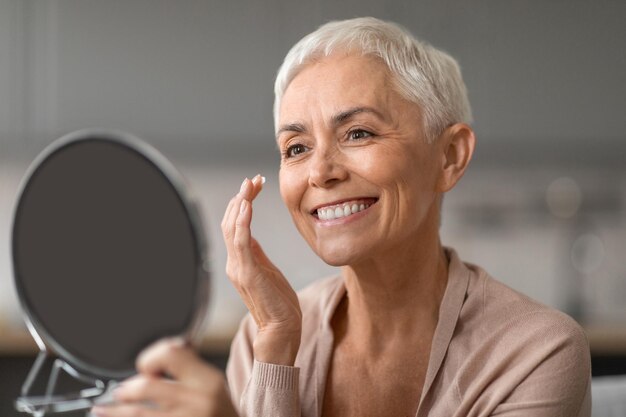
107,253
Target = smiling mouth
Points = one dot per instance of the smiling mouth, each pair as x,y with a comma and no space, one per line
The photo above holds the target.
345,209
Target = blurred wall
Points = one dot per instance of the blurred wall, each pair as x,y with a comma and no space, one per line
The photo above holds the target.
547,82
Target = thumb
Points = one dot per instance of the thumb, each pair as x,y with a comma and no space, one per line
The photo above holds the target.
259,254
175,358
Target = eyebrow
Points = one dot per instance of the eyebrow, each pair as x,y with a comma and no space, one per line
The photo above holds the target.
291,127
346,115
337,119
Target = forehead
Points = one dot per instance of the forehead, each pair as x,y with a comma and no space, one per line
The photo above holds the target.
336,82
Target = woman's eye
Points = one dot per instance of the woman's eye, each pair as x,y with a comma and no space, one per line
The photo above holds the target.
359,134
295,150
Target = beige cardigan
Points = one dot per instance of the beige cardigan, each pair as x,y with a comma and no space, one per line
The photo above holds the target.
494,352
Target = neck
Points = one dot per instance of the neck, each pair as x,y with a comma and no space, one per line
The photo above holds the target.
398,292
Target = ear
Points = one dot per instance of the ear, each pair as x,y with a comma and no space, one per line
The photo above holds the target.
457,143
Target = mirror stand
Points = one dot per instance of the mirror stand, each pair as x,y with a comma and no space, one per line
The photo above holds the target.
98,392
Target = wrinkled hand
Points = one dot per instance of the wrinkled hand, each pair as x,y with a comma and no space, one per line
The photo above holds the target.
196,389
268,295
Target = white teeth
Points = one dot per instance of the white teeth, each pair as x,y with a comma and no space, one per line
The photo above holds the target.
331,213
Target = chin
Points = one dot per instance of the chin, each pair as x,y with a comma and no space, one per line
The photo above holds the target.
339,255
335,261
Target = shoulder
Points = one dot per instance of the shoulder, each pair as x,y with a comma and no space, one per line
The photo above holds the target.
497,306
490,307
512,344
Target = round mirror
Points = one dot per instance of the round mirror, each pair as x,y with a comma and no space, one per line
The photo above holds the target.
108,252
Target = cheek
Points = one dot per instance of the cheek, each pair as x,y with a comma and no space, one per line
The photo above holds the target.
386,167
407,177
290,189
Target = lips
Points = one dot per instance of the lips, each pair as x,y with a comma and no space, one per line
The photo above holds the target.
343,209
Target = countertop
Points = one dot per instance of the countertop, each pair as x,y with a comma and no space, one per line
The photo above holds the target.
604,339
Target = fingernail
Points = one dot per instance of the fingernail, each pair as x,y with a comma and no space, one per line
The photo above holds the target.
243,207
258,179
179,341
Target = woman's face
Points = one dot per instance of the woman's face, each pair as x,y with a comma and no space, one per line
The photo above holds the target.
356,172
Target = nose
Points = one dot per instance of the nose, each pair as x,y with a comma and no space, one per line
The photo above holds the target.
327,167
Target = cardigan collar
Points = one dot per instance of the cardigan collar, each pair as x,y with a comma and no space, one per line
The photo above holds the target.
449,311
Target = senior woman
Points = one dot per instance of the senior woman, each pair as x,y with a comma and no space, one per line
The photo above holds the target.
372,126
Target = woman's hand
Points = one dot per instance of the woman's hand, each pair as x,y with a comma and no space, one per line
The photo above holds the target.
195,389
265,291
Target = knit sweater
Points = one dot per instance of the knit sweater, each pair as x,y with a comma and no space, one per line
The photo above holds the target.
494,352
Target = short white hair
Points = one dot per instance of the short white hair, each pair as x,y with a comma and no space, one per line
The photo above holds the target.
421,73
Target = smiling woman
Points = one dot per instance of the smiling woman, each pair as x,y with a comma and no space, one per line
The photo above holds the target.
373,129
361,142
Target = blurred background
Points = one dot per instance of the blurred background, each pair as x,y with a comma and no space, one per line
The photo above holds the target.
542,208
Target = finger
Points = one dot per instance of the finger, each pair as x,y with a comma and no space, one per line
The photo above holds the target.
247,189
147,389
231,210
251,188
244,193
230,217
172,357
247,267
242,239
127,410
228,229
227,212
242,233
257,183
